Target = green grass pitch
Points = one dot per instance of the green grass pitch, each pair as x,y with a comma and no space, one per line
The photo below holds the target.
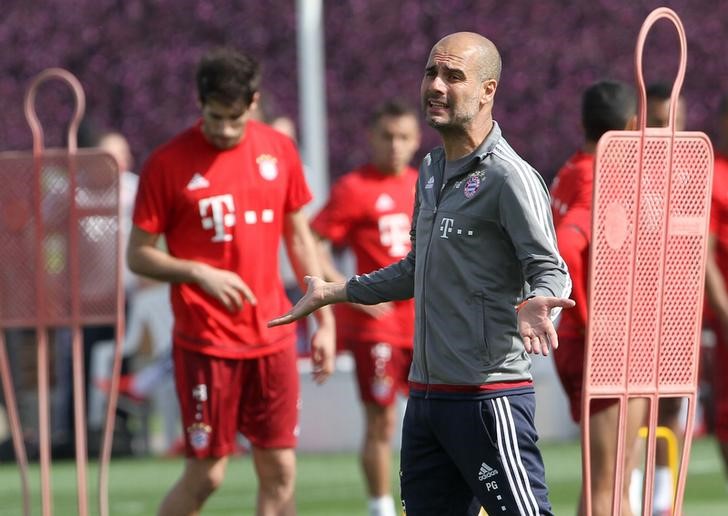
328,485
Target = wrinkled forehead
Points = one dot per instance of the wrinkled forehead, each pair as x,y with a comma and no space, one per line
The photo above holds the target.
451,56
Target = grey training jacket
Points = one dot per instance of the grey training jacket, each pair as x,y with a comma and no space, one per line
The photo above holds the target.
480,238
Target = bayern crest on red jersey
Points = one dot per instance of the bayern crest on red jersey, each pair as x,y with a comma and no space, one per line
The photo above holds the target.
267,166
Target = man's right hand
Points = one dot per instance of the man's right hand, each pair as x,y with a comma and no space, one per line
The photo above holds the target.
319,293
225,286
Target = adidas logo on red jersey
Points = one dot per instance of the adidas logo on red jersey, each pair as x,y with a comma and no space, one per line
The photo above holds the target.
197,182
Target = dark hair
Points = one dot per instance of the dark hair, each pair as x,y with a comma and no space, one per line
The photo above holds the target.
227,76
607,106
659,91
89,134
723,106
393,108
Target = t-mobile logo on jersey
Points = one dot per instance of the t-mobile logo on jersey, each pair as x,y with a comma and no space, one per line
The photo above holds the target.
394,233
218,213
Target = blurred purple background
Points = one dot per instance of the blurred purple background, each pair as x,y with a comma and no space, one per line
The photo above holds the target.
136,59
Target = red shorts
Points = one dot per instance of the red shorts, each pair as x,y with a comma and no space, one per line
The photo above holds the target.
720,387
381,371
569,360
219,397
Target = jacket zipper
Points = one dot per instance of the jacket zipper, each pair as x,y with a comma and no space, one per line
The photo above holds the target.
424,284
438,197
424,303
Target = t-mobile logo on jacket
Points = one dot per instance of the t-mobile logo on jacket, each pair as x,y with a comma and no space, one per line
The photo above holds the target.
446,225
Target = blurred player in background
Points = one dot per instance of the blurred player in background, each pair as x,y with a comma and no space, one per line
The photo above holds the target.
606,105
669,409
716,275
223,193
370,210
658,106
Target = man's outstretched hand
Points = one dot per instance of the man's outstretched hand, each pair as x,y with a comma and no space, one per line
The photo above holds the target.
318,293
535,326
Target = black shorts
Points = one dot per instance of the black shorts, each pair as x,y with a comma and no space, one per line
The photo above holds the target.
458,450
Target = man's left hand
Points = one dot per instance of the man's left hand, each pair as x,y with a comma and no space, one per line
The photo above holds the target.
535,326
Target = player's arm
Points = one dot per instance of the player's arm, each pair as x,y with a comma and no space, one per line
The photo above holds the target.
304,257
526,217
331,273
391,283
572,244
715,285
144,257
333,224
326,260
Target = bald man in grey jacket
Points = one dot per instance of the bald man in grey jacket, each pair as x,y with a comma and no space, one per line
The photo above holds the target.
487,281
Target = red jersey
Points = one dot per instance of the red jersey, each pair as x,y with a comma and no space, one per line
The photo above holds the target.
573,186
719,212
571,205
225,208
371,212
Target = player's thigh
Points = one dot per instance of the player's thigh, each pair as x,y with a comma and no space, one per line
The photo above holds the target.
430,482
380,421
376,371
268,413
720,387
208,389
493,442
569,362
603,430
669,411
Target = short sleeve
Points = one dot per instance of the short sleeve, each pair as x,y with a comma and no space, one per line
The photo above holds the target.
573,235
152,205
297,193
337,217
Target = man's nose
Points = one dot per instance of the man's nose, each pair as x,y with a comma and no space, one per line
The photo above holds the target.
437,84
228,129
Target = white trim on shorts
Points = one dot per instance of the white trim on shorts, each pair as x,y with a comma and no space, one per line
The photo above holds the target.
510,456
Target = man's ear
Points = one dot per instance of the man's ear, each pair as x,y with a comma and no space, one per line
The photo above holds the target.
487,90
254,103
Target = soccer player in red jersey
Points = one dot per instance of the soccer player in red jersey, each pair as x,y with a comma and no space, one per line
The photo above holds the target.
222,194
716,275
658,107
606,105
668,413
370,210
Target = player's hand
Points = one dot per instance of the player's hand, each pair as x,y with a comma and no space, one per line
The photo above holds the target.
376,311
323,352
318,293
225,286
535,326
